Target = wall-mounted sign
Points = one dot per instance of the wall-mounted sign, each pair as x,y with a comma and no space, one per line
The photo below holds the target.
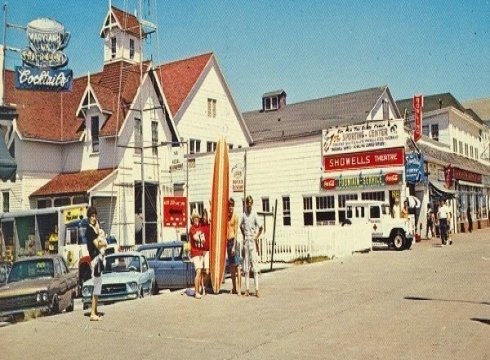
237,178
176,159
364,160
369,136
174,211
417,104
74,214
459,174
43,58
414,168
361,180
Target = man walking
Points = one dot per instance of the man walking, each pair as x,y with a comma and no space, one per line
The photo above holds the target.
443,215
251,230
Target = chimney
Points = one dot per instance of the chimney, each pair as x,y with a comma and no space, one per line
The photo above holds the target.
440,104
274,100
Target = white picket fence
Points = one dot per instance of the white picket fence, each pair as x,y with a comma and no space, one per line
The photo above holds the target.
330,241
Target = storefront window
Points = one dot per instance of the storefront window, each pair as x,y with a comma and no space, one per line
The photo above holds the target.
325,210
342,199
373,195
308,210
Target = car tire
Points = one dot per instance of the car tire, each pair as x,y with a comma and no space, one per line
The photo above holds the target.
154,288
408,243
141,293
71,307
398,241
55,307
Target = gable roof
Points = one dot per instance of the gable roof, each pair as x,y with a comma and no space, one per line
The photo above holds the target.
53,116
312,116
44,115
436,102
481,107
127,22
72,183
179,77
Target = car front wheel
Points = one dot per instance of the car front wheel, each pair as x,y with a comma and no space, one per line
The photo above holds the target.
398,241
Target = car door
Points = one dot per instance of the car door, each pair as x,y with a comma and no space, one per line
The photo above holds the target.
170,268
145,275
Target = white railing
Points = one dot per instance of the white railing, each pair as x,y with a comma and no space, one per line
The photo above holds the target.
329,241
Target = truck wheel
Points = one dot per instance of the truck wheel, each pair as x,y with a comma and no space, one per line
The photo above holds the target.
408,243
398,241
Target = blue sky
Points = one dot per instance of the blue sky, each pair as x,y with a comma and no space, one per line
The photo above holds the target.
311,49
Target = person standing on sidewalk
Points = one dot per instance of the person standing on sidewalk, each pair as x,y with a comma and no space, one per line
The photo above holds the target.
251,230
95,246
444,215
470,219
197,251
233,249
206,230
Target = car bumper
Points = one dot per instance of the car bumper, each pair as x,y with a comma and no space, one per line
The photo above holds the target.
43,309
105,299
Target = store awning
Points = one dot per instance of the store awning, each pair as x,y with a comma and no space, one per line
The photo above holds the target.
8,166
468,183
438,189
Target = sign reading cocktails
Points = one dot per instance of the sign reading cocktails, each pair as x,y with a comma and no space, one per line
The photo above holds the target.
44,57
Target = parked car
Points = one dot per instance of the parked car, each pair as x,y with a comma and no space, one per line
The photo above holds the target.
126,276
5,267
41,283
171,263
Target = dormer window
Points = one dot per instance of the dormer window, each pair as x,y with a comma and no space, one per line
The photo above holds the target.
273,100
113,47
95,134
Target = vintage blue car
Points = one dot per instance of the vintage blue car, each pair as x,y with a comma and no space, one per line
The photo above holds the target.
126,276
171,263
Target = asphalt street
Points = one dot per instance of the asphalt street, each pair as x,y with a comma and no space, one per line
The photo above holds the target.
430,302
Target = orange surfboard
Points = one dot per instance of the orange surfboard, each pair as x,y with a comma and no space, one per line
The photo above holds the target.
219,215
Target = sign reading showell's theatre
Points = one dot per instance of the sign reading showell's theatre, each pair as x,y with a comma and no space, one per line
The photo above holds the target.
43,59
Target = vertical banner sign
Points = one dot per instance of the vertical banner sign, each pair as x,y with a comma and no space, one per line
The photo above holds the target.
418,104
174,211
237,178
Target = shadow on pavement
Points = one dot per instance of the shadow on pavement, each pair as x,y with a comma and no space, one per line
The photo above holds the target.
483,321
419,298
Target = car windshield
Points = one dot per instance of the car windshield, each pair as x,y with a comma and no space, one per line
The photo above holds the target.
122,263
31,269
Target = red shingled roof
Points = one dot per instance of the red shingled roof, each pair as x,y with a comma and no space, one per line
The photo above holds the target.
128,22
73,183
179,77
52,116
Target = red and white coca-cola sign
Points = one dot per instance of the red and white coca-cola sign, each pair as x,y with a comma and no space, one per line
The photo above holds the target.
364,160
328,183
392,178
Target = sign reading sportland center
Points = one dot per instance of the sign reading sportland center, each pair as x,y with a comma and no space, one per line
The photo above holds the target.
44,57
369,136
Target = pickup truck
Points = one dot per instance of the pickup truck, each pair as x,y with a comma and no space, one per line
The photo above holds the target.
392,231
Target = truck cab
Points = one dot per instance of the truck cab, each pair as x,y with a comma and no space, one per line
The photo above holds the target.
392,231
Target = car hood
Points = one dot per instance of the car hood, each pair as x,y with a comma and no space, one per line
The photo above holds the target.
117,278
24,287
